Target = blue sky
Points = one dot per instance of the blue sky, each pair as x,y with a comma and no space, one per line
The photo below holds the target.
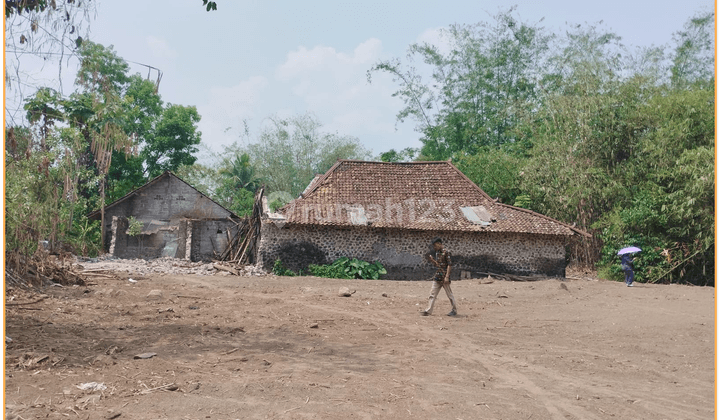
252,59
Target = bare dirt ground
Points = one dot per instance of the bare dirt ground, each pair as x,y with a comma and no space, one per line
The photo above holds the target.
231,347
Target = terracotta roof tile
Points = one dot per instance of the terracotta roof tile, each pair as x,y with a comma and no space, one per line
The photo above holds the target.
416,195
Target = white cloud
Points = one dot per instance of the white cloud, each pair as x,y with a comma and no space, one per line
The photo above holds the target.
330,84
320,58
160,48
333,85
226,108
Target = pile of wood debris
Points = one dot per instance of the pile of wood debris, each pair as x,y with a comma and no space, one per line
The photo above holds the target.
242,247
41,270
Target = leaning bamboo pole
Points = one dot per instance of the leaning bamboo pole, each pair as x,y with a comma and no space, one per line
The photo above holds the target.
241,248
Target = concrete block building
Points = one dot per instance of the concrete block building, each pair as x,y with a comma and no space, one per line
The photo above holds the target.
178,221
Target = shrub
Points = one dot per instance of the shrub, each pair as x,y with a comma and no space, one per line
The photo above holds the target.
346,268
280,270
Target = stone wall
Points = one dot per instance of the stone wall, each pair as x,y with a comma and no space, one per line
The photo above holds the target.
401,252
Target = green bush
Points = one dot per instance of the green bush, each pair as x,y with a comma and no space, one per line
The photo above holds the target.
135,227
85,237
280,270
346,268
648,265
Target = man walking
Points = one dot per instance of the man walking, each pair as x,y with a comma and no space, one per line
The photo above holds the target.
441,279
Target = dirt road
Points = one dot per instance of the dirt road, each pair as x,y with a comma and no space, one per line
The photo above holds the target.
290,348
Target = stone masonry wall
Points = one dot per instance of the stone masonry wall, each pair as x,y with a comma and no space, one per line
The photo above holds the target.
401,252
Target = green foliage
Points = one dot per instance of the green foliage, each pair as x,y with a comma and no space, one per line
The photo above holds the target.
101,69
240,202
479,91
580,128
41,193
290,151
615,235
238,173
331,271
25,6
280,270
85,236
523,201
204,178
497,170
346,268
135,227
694,55
209,5
407,154
277,203
174,140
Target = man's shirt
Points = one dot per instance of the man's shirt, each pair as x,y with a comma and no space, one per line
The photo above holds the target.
443,259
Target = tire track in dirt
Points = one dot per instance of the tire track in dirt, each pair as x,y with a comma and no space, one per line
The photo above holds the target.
564,387
549,400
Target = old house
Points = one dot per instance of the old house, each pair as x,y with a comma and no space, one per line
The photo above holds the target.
177,221
390,212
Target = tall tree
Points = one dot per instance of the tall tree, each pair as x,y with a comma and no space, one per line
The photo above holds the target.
174,140
626,153
239,173
290,151
102,75
478,91
694,55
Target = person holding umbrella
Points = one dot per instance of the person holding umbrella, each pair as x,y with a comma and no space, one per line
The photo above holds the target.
626,261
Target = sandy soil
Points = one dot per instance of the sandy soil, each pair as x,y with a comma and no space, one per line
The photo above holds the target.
232,347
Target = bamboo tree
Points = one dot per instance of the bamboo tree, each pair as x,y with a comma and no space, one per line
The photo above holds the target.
102,74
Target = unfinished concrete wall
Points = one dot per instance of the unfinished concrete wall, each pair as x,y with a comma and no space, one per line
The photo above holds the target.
210,237
401,252
164,206
156,240
196,240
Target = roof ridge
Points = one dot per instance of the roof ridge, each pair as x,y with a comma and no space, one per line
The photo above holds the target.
341,161
416,162
470,181
323,178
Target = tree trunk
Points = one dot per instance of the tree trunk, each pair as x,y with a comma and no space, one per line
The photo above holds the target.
102,215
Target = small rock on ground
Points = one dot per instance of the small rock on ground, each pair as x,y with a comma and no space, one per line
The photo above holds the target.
155,294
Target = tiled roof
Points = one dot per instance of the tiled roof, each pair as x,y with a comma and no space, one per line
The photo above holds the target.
415,195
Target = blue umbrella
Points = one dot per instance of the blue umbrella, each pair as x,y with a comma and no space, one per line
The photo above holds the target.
629,250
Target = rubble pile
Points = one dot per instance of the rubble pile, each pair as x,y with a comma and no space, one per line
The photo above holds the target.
252,270
164,265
